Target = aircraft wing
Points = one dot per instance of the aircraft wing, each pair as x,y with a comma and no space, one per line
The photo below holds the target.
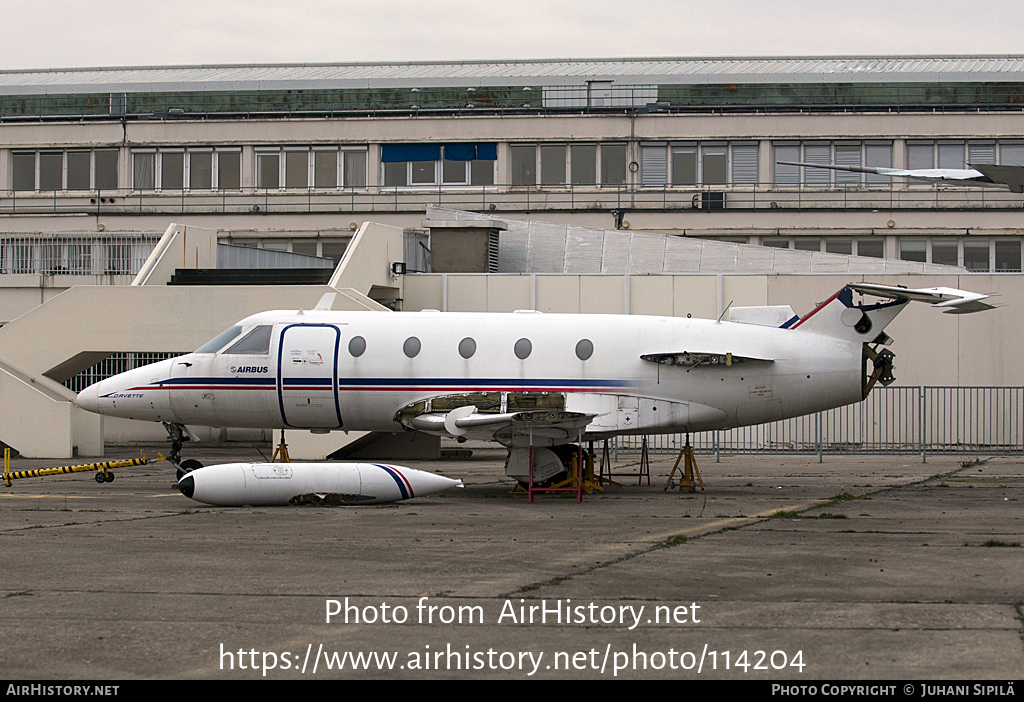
957,301
967,176
509,428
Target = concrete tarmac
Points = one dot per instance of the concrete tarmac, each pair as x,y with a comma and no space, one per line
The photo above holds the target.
880,568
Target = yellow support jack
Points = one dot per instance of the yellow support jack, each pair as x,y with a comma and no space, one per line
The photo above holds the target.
282,451
589,483
690,475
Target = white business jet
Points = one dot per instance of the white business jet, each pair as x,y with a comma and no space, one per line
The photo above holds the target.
523,379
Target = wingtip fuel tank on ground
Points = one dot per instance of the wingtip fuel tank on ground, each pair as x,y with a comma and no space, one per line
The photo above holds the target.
236,484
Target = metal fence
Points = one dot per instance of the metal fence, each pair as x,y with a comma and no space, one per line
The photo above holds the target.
114,364
895,420
70,254
510,198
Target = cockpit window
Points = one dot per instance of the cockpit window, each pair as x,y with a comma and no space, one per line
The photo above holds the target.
217,343
255,342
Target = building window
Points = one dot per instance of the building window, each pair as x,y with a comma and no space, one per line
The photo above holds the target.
296,168
1008,257
552,164
23,166
420,165
839,246
953,153
200,169
698,163
172,169
914,250
186,169
229,169
354,168
613,164
524,165
79,169
872,248
316,167
853,154
575,164
807,243
325,168
976,255
268,169
877,154
79,174
1011,153
144,170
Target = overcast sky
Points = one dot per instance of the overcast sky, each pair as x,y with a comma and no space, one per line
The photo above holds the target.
62,33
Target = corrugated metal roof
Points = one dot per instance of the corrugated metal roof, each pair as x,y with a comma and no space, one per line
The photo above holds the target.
834,69
543,247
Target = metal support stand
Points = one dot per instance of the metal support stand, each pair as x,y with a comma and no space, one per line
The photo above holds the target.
606,464
575,483
645,466
282,451
691,474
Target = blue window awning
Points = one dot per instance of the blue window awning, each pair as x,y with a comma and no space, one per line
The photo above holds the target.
396,153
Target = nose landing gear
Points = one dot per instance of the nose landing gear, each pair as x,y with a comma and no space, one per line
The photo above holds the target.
178,434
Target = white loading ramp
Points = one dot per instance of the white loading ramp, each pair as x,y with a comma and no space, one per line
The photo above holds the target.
85,324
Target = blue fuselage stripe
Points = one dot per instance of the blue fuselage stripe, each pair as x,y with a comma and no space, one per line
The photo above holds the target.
397,383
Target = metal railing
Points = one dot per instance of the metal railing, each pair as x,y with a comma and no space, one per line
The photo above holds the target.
114,364
81,254
509,198
893,421
944,96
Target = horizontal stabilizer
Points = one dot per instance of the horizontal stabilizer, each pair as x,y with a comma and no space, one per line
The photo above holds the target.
957,301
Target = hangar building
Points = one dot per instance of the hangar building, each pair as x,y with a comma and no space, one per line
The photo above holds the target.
284,163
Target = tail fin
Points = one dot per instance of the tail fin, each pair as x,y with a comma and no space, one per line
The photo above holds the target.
842,318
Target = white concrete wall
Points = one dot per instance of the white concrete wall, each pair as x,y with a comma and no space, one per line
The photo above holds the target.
931,348
179,247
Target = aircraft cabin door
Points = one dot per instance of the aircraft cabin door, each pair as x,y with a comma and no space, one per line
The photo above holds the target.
307,376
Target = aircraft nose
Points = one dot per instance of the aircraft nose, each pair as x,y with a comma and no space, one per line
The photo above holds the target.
89,398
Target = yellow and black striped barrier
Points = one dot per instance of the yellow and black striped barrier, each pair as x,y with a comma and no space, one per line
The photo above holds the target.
103,476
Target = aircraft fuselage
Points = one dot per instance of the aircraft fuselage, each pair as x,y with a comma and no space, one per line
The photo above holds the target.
377,371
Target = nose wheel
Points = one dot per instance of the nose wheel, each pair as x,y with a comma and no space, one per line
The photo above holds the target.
178,434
